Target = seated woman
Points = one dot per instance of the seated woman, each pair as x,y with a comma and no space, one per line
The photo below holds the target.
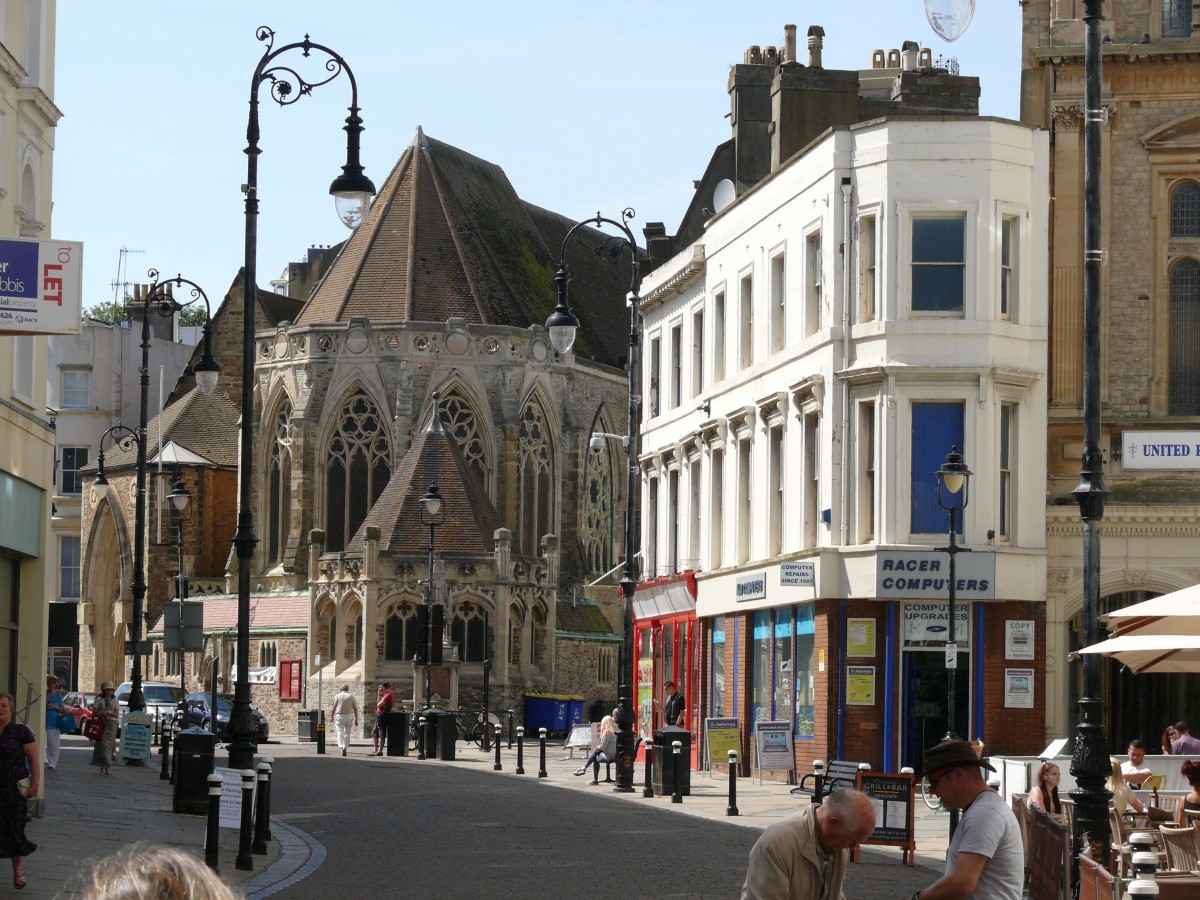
605,751
1044,796
1191,800
1123,796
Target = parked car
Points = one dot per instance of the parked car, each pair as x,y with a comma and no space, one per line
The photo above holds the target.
161,698
79,705
199,708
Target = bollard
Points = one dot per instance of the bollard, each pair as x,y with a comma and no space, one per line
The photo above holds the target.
520,749
731,809
542,741
818,781
648,787
421,737
320,735
510,729
676,797
245,860
270,761
164,773
259,846
496,767
212,838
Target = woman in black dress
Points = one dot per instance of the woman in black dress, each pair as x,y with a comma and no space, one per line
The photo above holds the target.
18,759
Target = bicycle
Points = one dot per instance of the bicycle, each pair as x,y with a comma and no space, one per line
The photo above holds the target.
475,722
932,800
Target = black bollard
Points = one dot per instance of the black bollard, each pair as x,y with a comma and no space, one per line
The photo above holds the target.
496,767
320,732
164,773
648,786
510,729
676,797
520,749
212,838
245,859
818,781
731,809
542,741
421,737
270,761
259,846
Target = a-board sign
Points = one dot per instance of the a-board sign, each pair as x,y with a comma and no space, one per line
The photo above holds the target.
135,735
773,741
231,797
892,795
721,736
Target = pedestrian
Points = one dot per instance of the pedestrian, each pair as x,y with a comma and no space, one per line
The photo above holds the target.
1169,734
1123,797
804,857
18,761
1191,800
1044,795
152,872
384,701
605,751
106,710
672,707
1132,768
1184,744
986,858
54,712
345,716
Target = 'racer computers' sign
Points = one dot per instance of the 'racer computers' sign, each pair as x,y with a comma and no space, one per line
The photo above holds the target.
41,286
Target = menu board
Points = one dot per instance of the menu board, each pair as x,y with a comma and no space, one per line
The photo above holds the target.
892,796
721,736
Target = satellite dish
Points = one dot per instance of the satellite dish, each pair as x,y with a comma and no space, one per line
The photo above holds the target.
723,194
950,18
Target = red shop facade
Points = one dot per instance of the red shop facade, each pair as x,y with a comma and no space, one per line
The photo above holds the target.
666,648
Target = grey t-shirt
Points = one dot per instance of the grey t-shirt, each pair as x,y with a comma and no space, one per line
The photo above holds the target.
989,828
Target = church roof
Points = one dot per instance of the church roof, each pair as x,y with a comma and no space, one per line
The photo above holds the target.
204,425
448,236
469,519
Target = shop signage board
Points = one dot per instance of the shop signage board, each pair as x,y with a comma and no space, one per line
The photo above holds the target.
893,796
721,736
801,574
231,797
751,587
135,735
773,743
925,575
41,286
928,624
1160,450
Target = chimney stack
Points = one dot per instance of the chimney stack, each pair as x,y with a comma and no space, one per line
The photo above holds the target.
816,41
789,43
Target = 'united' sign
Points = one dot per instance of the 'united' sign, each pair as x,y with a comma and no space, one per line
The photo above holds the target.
41,286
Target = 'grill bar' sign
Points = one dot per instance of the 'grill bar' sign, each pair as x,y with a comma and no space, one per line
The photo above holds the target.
41,286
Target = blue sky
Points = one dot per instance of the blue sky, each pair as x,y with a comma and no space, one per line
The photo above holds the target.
586,107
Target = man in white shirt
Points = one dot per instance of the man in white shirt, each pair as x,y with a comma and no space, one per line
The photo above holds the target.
344,715
1132,767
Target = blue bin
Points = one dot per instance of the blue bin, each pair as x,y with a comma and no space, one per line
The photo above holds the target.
575,713
539,713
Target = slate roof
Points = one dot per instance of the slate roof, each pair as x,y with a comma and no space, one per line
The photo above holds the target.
448,236
469,518
205,424
267,613
580,617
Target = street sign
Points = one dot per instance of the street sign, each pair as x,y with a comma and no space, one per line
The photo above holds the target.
193,626
952,656
129,651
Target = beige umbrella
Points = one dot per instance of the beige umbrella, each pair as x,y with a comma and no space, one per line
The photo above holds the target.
1175,613
1151,652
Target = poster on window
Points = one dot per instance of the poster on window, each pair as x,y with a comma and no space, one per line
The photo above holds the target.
860,685
860,637
1018,688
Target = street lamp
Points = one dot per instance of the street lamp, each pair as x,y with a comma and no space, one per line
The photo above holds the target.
562,326
158,296
352,191
179,498
954,492
431,515
1089,761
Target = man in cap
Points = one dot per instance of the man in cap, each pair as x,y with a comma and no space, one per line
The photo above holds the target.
986,857
804,856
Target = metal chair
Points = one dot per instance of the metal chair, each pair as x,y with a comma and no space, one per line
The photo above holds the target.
1183,849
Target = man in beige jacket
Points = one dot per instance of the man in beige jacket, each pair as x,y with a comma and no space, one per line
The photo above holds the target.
804,856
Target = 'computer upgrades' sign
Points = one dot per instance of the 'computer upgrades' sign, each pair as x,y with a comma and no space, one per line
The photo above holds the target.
41,286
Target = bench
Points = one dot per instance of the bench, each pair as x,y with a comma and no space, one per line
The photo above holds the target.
840,773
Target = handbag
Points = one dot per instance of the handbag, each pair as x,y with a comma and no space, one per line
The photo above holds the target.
66,723
93,729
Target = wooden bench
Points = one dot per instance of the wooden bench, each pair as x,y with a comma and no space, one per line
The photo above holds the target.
840,773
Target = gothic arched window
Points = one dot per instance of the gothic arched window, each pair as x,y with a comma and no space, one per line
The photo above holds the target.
539,637
279,485
356,469
536,480
400,632
471,631
1184,387
1185,210
597,532
461,424
516,624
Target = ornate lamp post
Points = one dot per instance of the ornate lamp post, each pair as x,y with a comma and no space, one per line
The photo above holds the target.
179,498
352,191
1089,761
562,326
431,515
159,296
954,492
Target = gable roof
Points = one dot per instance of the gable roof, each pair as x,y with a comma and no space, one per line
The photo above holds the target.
267,613
581,617
206,425
448,236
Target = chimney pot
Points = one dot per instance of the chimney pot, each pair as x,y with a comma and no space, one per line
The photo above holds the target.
753,55
816,41
789,43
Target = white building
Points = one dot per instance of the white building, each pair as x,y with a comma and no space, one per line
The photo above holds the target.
811,358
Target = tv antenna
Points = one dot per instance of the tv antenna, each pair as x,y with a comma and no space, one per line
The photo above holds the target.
121,286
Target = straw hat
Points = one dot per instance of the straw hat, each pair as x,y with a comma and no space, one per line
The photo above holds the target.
107,686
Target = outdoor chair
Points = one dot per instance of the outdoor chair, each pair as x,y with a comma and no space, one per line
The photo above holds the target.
1183,852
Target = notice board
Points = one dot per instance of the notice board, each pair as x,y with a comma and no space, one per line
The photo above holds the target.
721,736
776,753
893,797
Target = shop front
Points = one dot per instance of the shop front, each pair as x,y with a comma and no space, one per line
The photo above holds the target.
666,633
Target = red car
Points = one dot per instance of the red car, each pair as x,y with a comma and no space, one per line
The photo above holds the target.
79,705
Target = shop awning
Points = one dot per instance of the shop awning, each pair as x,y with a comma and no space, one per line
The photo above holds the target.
665,598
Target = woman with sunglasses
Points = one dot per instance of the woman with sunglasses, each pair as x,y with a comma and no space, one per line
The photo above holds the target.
1168,735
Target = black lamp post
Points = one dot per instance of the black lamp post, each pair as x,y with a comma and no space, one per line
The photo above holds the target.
179,498
158,296
1089,761
431,515
352,192
562,326
954,491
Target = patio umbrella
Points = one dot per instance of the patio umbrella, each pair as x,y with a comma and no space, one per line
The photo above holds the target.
1175,613
1151,652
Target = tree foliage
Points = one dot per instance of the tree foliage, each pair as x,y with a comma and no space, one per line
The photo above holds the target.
112,313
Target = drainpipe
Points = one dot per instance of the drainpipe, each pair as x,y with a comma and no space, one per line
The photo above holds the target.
847,233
